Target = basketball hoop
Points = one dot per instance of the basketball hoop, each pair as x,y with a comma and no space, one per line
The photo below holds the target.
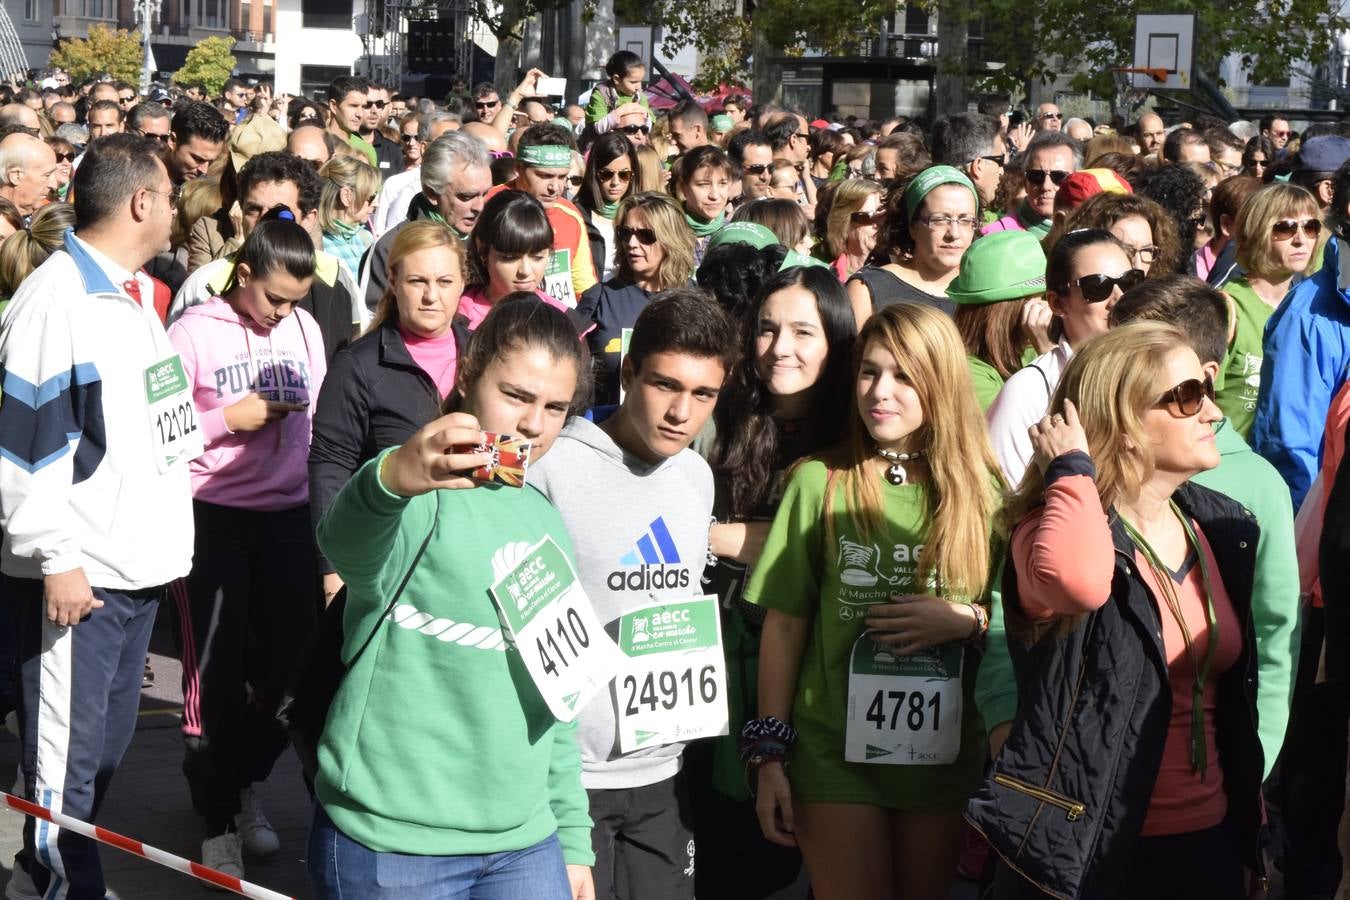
1157,74
1128,97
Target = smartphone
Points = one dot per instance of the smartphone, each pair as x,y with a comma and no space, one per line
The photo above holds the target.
552,87
510,459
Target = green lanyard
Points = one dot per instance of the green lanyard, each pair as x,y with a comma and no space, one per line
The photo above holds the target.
1199,759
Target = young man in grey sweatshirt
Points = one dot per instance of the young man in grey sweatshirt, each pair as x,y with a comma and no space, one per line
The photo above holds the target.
637,503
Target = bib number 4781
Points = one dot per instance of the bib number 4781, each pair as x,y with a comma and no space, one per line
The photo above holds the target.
894,709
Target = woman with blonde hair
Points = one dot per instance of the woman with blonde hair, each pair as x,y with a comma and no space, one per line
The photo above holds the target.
852,224
653,252
1133,765
875,577
652,175
1278,233
350,187
392,380
26,249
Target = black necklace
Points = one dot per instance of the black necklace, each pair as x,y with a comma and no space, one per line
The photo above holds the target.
895,472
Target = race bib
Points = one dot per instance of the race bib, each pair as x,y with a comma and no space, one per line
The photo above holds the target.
903,710
174,432
673,685
550,621
558,278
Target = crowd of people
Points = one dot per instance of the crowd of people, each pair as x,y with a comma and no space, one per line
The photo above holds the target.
986,438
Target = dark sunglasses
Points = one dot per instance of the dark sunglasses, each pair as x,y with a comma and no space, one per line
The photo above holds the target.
409,138
624,175
486,104
1000,161
1050,115
1187,398
162,138
576,181
1038,176
758,168
635,129
645,236
374,104
127,99
65,157
1097,288
867,218
1284,229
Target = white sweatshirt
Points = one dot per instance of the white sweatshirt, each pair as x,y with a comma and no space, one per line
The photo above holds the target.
79,483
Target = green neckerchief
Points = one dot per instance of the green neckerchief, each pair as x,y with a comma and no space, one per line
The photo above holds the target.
706,229
608,210
344,230
436,217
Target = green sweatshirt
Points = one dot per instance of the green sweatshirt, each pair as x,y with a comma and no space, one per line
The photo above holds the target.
437,743
1253,482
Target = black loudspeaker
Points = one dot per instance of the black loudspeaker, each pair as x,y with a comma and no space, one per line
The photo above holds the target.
432,46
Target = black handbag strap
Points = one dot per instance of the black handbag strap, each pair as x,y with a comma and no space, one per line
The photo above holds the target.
407,576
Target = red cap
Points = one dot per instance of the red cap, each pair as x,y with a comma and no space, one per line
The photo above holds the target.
820,123
1082,185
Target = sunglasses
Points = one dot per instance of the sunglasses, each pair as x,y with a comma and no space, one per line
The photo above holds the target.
486,104
1000,161
866,218
409,138
645,236
1038,176
576,181
1097,288
758,168
375,104
1282,134
1050,115
65,157
624,175
1187,398
127,99
635,129
1258,164
1284,229
162,138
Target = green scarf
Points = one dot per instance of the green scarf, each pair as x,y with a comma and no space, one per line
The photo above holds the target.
343,230
706,229
436,217
609,210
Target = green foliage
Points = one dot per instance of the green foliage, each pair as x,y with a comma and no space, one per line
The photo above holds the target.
208,64
118,53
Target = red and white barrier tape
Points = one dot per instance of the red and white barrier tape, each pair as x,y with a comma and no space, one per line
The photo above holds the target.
136,848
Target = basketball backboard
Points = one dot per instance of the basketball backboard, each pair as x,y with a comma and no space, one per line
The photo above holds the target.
1164,41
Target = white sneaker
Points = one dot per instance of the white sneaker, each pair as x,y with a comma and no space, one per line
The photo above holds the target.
254,829
225,854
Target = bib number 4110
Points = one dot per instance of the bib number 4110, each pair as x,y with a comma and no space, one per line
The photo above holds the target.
572,638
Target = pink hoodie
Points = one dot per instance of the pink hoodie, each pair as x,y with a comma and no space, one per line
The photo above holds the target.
226,358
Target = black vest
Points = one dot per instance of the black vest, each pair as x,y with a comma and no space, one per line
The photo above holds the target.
1066,797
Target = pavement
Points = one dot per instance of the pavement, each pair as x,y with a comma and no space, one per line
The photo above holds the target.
148,801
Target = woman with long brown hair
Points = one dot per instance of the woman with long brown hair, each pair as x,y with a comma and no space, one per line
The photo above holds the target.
874,577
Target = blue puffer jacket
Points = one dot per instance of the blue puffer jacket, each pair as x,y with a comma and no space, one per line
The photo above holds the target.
1307,352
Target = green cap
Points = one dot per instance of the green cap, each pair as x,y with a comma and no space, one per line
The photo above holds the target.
720,124
794,258
934,176
751,233
1005,265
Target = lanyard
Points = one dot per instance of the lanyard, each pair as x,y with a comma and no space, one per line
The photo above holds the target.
1199,759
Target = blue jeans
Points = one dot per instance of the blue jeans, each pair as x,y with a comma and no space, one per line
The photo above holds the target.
343,869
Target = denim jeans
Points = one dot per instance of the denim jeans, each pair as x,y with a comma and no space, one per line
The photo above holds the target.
343,869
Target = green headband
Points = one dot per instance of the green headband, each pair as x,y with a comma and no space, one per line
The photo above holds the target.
547,156
934,176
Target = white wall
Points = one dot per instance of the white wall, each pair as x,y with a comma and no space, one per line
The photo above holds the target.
299,46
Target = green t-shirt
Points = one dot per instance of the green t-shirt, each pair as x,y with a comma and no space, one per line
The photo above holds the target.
833,586
1236,395
987,382
356,142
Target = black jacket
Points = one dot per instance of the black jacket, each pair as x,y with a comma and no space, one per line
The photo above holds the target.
1067,795
373,397
389,155
377,257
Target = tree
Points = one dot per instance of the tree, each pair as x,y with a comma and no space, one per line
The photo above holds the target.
208,64
506,21
119,53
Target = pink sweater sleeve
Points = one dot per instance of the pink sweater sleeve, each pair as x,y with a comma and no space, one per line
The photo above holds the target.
1063,552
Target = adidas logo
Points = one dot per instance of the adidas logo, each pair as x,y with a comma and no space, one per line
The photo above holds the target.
657,562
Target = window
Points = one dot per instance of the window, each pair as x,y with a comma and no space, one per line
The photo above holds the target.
30,11
89,9
326,14
246,17
212,14
267,18
314,79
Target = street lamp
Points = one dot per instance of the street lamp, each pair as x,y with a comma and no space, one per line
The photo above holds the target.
1343,45
146,10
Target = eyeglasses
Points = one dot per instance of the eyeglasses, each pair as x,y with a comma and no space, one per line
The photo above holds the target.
1281,134
375,104
803,134
1050,115
635,129
1284,229
645,236
65,157
409,138
171,193
624,175
486,104
999,161
576,181
1038,176
1096,288
162,138
127,98
758,168
867,218
939,222
1187,398
1142,254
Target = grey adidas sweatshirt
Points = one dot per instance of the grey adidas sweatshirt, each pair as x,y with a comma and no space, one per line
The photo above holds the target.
641,537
